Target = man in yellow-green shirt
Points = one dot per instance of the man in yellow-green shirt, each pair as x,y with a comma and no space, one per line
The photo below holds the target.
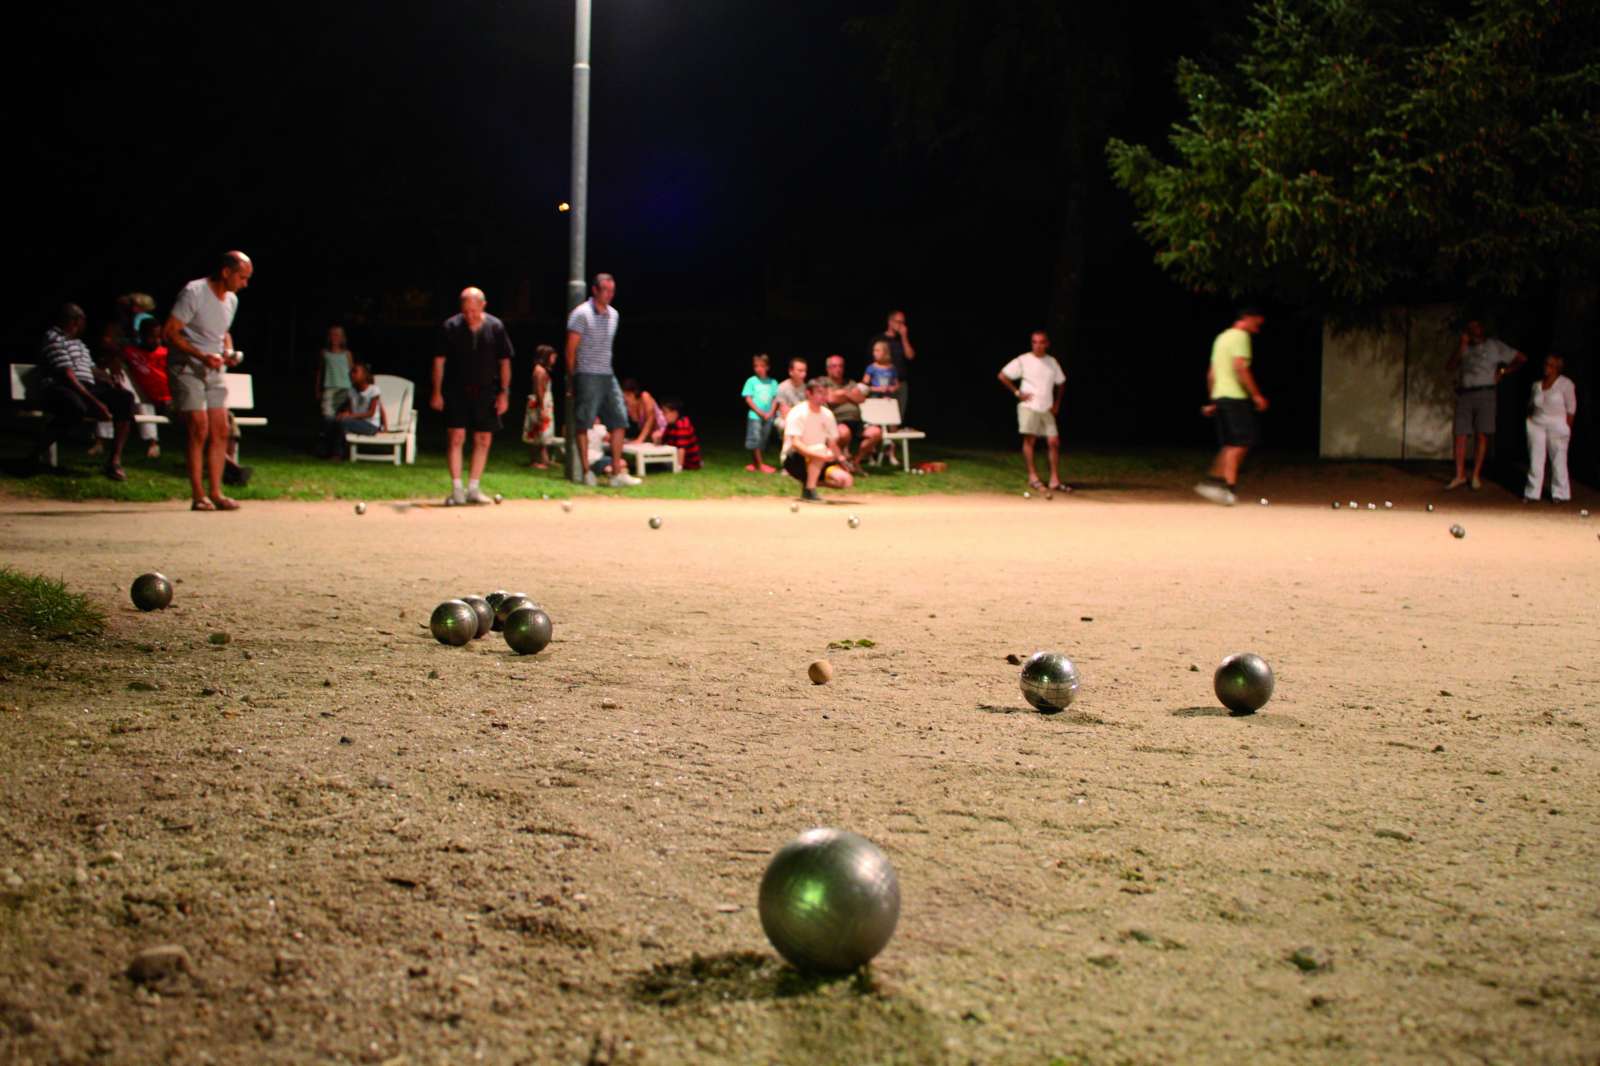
1235,399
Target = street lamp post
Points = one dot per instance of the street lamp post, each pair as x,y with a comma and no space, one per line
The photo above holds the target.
576,285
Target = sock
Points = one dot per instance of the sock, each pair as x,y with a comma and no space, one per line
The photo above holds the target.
455,483
472,486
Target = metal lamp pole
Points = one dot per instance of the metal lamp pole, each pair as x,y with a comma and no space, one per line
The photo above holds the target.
577,288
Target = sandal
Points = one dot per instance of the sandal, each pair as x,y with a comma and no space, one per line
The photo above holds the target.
1035,484
201,504
1057,486
224,503
115,472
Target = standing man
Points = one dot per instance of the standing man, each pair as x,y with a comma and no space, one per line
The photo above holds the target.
199,353
900,353
1479,363
1235,399
591,329
472,386
74,393
1037,381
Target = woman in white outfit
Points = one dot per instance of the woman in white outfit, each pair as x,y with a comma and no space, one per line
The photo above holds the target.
1551,407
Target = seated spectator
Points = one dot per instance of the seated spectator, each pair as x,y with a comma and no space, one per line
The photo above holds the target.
539,423
361,413
144,362
646,422
760,398
844,400
680,434
791,394
811,453
597,454
333,372
74,392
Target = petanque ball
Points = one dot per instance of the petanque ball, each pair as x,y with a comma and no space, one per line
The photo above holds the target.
794,508
361,508
566,505
854,521
1388,504
151,592
1244,682
1430,508
1583,513
508,603
1335,505
1458,531
1354,506
453,622
655,521
829,901
1372,507
485,614
1026,495
1263,501
1049,681
499,498
527,630
820,672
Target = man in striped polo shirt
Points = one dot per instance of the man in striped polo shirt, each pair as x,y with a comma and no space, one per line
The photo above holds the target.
591,329
73,393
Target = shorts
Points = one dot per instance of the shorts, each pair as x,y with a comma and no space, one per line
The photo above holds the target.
757,432
471,407
1475,411
795,467
1236,424
1035,423
598,396
191,392
854,425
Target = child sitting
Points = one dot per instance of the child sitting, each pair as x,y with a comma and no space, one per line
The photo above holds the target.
680,434
361,413
760,396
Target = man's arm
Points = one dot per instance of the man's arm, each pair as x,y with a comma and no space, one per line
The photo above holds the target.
1061,390
1013,386
436,401
176,340
1517,359
905,346
1241,370
573,337
502,399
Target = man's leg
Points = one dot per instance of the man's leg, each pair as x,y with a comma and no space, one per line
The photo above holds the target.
480,455
1478,458
1027,457
216,449
616,448
1054,444
871,436
199,427
1231,458
814,471
454,438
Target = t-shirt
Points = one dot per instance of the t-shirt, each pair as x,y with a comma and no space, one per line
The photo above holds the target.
66,357
681,434
810,429
844,410
148,368
1552,406
897,352
1232,343
335,369
206,320
764,391
597,330
881,377
472,358
361,399
1479,361
1039,378
791,394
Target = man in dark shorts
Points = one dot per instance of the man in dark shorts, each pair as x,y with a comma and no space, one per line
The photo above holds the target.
1235,399
472,386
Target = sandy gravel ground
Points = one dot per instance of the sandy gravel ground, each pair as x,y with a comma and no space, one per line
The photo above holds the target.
373,848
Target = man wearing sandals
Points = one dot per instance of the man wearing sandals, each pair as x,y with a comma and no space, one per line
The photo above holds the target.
1038,382
200,352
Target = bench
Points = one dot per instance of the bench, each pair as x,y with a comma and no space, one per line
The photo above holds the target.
885,413
27,384
642,455
400,415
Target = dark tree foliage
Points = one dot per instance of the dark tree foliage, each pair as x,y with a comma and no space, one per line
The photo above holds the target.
1358,151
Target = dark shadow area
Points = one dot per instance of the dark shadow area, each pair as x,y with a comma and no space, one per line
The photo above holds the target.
1075,717
1210,712
733,976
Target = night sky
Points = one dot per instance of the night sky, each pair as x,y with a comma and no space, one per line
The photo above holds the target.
746,189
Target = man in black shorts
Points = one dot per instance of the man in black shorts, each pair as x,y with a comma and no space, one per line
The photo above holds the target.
472,386
1235,399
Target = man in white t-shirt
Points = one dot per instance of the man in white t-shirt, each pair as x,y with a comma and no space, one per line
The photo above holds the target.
1037,381
811,445
199,353
1480,363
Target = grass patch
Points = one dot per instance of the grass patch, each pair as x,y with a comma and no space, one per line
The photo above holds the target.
283,471
45,607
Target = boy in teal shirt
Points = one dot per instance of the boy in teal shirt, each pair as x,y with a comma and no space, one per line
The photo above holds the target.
761,397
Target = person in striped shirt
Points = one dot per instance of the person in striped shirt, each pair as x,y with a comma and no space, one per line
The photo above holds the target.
74,393
680,434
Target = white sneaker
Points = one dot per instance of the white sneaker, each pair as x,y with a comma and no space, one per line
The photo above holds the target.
589,478
1216,493
476,496
624,480
457,498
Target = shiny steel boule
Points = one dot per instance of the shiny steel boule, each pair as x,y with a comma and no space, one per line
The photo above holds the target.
361,508
493,599
1049,681
485,614
508,603
1244,682
655,521
151,592
527,630
854,521
829,901
454,622
1458,531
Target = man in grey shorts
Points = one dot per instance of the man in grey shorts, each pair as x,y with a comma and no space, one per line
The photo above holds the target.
200,352
1479,363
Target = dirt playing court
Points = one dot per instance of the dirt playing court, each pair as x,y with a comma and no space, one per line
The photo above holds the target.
374,848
